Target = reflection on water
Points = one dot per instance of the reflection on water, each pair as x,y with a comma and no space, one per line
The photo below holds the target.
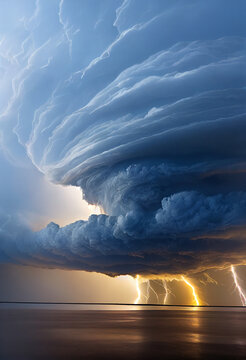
125,333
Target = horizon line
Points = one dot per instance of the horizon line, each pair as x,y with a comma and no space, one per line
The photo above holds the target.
116,304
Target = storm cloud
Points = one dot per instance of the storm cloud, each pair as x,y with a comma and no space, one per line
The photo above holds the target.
142,104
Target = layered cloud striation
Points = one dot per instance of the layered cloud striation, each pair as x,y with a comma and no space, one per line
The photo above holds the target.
143,105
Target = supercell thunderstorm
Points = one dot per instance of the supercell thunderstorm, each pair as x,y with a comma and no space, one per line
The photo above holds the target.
142,104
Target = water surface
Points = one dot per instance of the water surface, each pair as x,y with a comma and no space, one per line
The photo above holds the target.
114,332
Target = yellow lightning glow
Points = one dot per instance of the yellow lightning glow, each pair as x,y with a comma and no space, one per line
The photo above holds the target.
193,290
242,296
167,291
151,288
138,290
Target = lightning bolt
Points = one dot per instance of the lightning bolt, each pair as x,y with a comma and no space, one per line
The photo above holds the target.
242,296
167,291
147,294
193,290
151,288
148,289
138,290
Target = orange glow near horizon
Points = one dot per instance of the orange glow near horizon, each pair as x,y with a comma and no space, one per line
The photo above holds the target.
167,291
242,295
138,290
193,290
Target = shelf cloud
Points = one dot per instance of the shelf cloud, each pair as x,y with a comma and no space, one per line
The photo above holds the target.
142,104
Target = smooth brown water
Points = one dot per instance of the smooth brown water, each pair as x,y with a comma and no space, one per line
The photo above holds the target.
122,334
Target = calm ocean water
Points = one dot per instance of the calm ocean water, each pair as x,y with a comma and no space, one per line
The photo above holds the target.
53,332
